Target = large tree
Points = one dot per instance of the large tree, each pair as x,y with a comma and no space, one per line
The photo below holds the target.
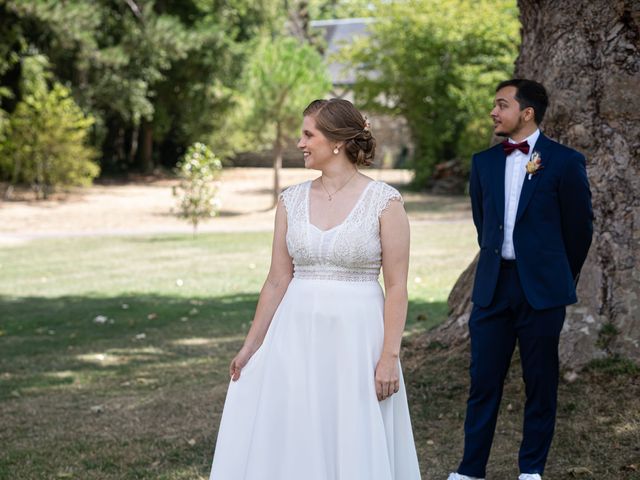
587,53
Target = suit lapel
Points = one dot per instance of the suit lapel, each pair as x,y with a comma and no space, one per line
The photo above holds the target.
530,185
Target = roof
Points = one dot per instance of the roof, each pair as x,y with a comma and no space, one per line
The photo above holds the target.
339,33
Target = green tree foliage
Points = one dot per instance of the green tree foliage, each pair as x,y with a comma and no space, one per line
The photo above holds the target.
331,9
282,76
436,62
156,74
198,171
45,139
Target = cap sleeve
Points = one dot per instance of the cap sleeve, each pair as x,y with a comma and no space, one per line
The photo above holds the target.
386,196
291,196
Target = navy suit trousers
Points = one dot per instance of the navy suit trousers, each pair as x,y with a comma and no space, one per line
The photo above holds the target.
494,331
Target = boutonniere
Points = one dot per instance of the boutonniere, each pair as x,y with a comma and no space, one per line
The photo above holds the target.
534,164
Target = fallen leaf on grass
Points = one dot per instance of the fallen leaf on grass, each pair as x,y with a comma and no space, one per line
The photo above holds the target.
579,471
570,376
100,319
97,409
152,316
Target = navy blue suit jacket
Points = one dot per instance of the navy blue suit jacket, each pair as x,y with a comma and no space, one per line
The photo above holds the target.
553,227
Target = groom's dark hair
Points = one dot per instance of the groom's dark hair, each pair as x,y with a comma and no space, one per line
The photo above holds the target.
529,94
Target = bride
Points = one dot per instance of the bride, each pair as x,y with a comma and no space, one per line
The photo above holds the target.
316,391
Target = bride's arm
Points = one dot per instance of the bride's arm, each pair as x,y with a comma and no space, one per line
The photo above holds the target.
394,238
274,288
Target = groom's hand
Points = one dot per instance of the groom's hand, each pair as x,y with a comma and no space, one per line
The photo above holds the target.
387,376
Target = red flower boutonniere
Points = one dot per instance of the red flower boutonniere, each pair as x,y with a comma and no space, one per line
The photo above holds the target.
534,164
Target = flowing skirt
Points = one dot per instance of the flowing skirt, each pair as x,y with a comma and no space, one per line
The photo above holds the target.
305,406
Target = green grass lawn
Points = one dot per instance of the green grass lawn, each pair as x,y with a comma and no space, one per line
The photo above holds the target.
114,354
114,351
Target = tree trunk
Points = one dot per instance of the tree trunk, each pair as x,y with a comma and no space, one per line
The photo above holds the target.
147,147
277,163
586,52
133,148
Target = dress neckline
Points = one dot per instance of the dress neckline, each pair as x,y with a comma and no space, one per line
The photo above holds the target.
355,206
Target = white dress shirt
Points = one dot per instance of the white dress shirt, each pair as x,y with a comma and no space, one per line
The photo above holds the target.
514,174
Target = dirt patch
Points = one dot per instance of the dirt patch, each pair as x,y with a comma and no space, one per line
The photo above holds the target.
146,207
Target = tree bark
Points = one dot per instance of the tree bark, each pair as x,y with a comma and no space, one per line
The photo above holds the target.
133,148
147,147
587,54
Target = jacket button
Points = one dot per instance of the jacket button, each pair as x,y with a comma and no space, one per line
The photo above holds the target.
496,251
500,227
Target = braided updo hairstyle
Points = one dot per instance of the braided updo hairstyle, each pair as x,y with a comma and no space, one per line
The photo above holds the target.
340,121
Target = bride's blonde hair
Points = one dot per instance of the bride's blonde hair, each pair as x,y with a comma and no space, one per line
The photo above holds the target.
340,121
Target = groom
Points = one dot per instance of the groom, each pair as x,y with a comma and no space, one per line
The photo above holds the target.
532,209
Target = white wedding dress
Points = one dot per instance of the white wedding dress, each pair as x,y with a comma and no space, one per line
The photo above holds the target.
305,406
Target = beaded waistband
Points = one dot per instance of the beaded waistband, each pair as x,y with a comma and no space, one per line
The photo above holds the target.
329,272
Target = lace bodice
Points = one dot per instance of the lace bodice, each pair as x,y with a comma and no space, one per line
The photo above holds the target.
349,251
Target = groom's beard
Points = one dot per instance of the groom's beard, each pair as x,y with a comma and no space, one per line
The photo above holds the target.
513,132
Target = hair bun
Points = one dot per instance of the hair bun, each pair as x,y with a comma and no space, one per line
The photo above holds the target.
362,148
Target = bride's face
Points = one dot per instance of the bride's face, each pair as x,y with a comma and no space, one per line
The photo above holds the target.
316,148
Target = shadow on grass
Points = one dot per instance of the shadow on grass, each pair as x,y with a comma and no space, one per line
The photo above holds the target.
160,395
128,387
48,342
52,343
423,315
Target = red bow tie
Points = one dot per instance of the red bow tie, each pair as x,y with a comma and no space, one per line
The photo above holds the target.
510,147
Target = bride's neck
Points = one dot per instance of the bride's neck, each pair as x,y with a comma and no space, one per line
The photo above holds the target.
337,175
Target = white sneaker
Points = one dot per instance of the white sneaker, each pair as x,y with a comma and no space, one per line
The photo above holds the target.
457,476
529,476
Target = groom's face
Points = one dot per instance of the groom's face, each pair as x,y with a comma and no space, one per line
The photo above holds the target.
508,118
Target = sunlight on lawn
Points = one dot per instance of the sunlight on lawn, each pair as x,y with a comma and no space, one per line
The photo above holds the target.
121,356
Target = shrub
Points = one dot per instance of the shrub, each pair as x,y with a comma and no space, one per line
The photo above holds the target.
198,171
45,143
